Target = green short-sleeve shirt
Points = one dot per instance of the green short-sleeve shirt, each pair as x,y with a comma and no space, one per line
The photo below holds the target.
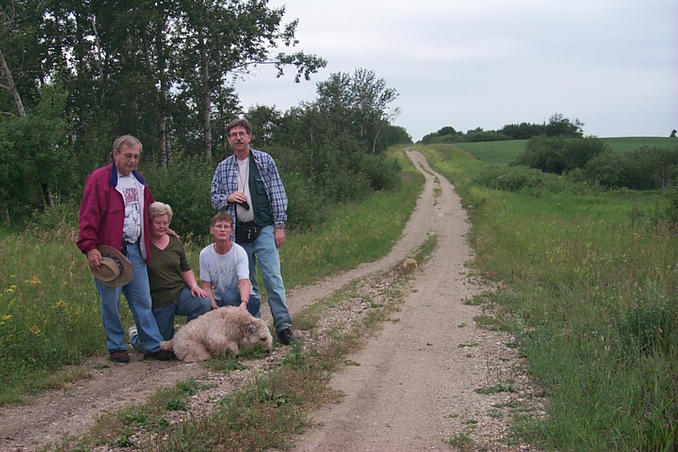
165,272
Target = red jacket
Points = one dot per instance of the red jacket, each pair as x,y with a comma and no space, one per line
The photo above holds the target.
102,211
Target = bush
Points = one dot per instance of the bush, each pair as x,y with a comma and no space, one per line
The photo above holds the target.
642,169
558,155
185,186
510,179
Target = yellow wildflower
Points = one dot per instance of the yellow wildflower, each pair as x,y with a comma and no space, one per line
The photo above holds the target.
61,304
35,281
6,317
35,330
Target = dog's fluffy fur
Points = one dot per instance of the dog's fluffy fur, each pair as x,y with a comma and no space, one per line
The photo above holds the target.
219,330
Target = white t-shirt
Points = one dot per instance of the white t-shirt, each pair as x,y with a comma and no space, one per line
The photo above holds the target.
244,186
131,195
224,271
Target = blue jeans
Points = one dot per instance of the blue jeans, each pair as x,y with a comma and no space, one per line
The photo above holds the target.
264,250
232,298
138,295
164,315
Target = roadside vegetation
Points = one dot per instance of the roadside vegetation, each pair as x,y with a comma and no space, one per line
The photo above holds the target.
591,297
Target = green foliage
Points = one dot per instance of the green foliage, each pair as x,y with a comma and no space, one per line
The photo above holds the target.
185,186
34,156
651,323
558,126
513,179
642,169
559,155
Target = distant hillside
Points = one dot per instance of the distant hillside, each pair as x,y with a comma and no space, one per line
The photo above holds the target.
503,152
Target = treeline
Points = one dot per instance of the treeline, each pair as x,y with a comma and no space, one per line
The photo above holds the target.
558,125
77,74
592,161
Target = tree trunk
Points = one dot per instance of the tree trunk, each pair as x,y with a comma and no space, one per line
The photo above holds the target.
47,194
11,86
206,102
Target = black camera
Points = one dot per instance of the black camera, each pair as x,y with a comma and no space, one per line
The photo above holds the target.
244,205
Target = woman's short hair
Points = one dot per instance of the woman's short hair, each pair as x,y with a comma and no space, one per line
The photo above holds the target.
159,208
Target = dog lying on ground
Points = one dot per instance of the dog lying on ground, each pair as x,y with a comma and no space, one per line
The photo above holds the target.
217,331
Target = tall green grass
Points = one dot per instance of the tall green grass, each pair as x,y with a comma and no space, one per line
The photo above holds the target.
49,308
593,302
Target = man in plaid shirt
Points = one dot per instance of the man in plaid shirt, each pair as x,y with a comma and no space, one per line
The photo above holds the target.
247,185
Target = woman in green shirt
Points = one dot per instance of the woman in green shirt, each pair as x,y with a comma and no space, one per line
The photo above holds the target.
174,289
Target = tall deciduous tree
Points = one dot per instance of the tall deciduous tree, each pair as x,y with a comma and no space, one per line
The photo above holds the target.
219,40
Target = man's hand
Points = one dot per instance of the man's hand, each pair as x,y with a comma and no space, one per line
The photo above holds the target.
94,258
279,235
237,197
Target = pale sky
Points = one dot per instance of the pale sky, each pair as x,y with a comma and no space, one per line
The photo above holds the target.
613,64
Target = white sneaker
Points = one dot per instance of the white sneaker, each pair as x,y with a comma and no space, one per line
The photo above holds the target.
132,331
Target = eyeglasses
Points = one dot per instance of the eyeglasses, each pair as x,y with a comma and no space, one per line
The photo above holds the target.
237,134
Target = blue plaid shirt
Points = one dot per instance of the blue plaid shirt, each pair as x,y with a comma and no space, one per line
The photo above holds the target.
225,182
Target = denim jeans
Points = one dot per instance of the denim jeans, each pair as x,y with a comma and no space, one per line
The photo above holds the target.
264,250
232,298
184,305
138,295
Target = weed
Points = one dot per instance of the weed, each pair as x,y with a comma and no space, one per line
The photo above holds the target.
495,389
461,441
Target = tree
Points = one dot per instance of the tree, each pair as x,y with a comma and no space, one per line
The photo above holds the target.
673,134
218,39
358,106
561,126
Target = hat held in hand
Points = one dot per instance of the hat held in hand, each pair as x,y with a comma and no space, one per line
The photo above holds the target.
115,270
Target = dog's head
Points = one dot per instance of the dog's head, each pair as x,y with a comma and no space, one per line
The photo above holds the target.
255,332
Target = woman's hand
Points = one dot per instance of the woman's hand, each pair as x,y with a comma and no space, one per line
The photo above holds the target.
198,292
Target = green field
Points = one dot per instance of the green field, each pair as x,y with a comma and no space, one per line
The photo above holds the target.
503,152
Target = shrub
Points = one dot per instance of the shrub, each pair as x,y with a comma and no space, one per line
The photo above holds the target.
185,186
558,154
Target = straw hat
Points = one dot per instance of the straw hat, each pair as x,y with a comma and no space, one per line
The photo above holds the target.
115,270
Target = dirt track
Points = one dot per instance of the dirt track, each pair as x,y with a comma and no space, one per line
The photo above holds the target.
413,390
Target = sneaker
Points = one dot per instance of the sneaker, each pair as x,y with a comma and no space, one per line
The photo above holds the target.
161,355
285,336
132,331
119,356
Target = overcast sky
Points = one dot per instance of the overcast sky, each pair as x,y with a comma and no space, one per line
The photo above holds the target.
613,64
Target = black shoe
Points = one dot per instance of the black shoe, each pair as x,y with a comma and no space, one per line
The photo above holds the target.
119,356
285,336
161,355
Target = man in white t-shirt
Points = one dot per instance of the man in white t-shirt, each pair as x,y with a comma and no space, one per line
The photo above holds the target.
224,269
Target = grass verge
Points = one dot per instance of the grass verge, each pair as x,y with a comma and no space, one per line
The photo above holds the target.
591,294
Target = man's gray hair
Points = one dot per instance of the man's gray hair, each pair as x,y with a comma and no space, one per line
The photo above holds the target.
126,140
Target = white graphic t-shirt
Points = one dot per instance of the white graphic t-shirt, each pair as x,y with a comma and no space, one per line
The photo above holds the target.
224,271
131,192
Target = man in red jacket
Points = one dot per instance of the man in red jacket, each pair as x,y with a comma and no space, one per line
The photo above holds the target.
114,212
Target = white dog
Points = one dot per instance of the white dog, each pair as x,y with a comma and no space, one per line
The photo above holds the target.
219,330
